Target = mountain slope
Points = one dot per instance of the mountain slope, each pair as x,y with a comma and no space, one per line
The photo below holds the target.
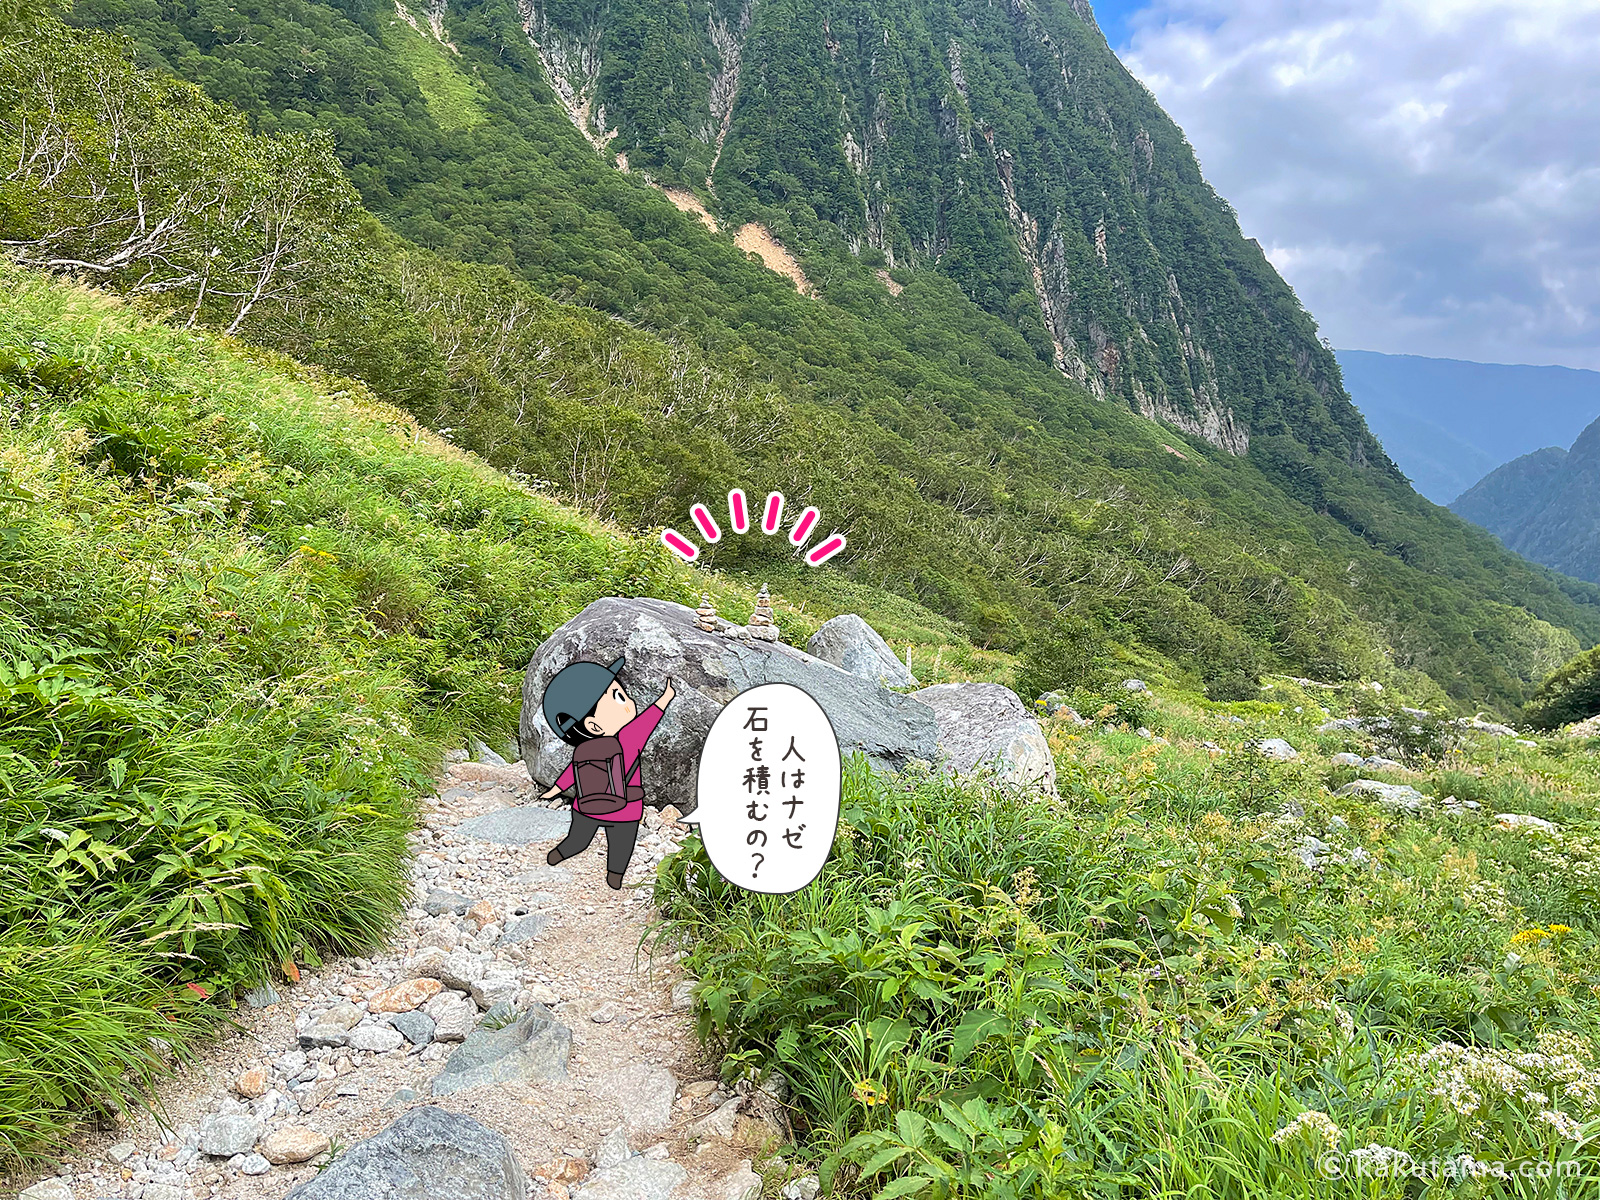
970,472
1448,423
1545,505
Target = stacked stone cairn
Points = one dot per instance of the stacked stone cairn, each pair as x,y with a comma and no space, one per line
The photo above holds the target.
705,617
762,625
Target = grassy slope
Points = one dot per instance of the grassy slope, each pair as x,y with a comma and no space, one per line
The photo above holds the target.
1131,992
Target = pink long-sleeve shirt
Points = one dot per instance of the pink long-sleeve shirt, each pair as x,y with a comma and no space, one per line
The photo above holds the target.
632,737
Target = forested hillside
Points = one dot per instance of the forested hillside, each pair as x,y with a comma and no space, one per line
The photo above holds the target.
1545,505
934,426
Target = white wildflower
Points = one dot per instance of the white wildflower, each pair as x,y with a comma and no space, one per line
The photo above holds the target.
1312,1123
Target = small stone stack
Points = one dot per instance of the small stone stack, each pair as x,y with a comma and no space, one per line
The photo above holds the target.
705,617
762,624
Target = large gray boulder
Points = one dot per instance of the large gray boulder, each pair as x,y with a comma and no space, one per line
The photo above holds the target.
534,1047
662,642
848,641
984,727
426,1154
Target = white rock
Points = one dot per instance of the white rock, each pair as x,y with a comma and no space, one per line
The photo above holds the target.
683,995
1345,759
806,1187
613,1149
375,1037
720,1123
1524,821
1277,749
122,1152
254,1164
1135,685
743,1184
227,1135
48,1189
454,1016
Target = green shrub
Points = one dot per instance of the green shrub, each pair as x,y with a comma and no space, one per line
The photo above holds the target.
1570,694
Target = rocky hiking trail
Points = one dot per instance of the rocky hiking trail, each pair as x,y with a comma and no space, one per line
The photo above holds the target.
523,997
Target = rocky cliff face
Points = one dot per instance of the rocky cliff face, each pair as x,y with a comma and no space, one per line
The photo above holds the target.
1001,144
1545,505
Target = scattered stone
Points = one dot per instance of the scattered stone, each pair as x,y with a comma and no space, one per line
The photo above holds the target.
427,1152
700,1088
261,997
415,1027
807,1187
495,989
483,754
683,995
480,914
1135,685
1345,759
613,1149
426,963
456,756
568,1170
122,1152
453,1016
1277,749
605,1014
1378,763
662,642
1397,797
164,1191
525,930
343,1015
224,1135
293,1144
48,1189
643,1096
639,1178
847,641
254,1164
535,1047
1313,852
347,1089
252,1084
376,1037
983,726
401,1096
721,1123
1481,726
743,1184
403,997
321,1036
438,902
1524,821
461,970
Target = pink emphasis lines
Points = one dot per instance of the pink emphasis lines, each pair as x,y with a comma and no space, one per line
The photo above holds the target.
739,522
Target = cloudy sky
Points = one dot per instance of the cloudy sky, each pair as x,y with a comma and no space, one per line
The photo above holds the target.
1425,173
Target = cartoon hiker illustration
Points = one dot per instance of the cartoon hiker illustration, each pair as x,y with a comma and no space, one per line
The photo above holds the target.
591,711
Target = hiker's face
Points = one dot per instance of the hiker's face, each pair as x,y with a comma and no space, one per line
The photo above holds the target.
616,709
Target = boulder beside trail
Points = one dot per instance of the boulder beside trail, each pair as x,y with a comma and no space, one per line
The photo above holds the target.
985,726
534,1047
428,1152
848,641
662,642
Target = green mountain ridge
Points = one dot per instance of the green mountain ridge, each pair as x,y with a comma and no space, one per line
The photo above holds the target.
1545,505
935,427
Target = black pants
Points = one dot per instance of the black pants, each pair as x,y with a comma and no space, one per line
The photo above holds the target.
620,837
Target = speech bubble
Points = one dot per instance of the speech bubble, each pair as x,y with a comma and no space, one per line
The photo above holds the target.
769,789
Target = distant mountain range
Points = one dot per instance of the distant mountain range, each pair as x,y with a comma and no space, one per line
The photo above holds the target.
1448,423
1545,505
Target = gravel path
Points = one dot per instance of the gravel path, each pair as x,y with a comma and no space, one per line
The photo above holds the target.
492,924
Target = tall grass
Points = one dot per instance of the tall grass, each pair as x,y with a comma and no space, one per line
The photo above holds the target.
1137,990
243,611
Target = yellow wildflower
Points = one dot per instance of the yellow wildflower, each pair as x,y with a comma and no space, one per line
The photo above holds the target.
870,1093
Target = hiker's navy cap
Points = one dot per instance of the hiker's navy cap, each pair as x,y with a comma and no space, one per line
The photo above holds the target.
573,693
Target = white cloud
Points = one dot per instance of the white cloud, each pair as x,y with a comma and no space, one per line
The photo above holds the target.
1425,173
